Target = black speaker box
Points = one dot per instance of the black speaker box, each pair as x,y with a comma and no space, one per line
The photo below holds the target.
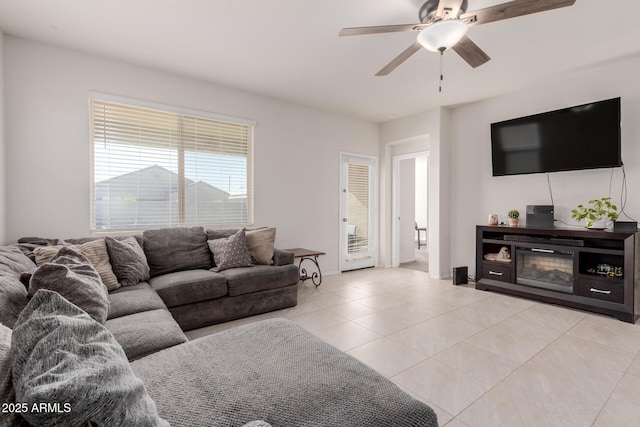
540,216
460,275
623,226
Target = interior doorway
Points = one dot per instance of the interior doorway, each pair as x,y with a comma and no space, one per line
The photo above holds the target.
410,234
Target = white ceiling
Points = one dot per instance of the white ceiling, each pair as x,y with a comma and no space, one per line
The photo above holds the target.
290,50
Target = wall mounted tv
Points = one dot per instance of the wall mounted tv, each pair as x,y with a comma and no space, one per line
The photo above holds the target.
581,137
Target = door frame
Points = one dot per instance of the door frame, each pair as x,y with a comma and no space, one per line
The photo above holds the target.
373,209
395,202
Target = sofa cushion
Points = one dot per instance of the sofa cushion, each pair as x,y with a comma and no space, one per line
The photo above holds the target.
60,355
231,252
276,371
259,278
70,274
176,249
94,250
205,313
144,333
133,299
260,243
13,261
13,298
128,260
186,287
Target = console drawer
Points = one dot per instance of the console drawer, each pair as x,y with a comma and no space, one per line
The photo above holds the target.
601,289
496,272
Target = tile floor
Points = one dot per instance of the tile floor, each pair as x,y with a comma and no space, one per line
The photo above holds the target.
477,358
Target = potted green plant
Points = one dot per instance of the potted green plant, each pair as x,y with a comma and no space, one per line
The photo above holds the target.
513,216
599,215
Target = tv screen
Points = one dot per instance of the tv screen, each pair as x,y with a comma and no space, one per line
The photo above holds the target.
581,137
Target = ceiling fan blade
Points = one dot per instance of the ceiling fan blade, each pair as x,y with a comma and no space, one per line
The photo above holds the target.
381,29
399,59
449,9
470,52
512,9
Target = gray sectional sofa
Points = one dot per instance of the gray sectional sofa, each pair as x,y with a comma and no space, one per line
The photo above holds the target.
181,292
138,368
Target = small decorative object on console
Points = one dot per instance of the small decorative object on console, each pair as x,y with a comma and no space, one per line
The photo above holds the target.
503,256
609,271
513,216
493,219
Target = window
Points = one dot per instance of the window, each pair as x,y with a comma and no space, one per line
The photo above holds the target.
155,168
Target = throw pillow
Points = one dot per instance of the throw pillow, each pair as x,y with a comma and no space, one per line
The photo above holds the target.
260,243
61,355
128,260
7,394
6,386
14,262
231,252
71,275
13,298
95,251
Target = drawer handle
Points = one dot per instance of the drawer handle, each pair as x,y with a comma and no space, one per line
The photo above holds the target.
546,251
495,273
600,291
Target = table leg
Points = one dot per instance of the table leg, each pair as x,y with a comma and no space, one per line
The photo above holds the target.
316,276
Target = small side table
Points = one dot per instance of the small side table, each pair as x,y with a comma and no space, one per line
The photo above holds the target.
308,255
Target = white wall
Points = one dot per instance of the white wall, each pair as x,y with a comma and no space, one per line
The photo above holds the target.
440,196
475,193
407,209
3,168
47,138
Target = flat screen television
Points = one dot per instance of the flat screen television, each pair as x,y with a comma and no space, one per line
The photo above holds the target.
582,137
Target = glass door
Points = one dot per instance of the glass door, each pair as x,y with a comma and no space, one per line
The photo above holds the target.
357,208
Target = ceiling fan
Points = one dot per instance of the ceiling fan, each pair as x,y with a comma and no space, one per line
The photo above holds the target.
444,24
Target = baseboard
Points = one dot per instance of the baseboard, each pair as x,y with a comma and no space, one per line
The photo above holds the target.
408,260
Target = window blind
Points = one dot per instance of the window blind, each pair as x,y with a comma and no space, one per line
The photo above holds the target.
154,168
358,207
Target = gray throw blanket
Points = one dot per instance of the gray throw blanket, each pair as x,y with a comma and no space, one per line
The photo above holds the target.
277,372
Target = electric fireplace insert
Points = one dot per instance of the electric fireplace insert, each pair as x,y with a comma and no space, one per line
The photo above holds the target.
545,268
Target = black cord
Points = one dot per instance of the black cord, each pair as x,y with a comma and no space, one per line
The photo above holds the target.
623,195
610,183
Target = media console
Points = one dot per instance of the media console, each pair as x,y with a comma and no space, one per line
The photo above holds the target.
586,269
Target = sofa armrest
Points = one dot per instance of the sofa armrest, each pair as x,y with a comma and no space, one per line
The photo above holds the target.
281,257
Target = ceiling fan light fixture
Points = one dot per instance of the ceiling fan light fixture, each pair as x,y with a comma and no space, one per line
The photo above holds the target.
442,35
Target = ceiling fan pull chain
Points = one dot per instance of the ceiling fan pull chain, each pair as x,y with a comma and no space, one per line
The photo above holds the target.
441,74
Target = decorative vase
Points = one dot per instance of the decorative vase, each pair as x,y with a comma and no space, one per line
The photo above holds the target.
493,219
513,222
600,224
